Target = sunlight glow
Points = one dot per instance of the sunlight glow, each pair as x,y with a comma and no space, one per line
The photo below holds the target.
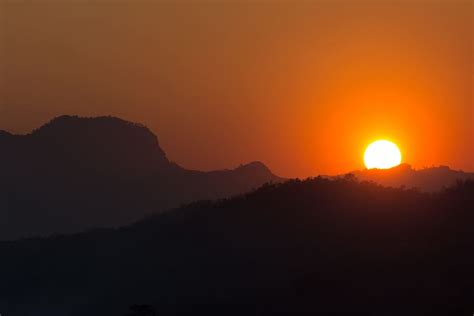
382,154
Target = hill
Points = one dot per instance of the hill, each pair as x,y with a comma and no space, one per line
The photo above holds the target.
76,173
428,179
314,247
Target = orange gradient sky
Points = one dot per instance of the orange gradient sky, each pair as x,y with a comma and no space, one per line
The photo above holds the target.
301,86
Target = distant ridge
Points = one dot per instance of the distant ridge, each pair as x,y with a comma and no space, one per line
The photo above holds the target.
428,179
75,173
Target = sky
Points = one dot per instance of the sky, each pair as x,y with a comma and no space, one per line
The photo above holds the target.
302,86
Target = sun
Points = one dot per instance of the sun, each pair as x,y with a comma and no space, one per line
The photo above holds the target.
382,154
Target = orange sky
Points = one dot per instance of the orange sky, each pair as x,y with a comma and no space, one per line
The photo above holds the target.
303,87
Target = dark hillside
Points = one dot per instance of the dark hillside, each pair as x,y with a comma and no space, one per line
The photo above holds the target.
315,247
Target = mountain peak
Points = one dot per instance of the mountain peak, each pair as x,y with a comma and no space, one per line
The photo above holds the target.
69,122
254,165
103,143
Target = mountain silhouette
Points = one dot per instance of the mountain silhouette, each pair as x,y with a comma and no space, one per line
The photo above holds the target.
313,247
77,173
428,179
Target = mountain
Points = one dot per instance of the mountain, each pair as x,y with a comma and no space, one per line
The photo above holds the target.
77,173
313,247
428,179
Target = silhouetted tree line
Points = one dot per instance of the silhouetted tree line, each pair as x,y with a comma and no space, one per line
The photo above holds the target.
313,247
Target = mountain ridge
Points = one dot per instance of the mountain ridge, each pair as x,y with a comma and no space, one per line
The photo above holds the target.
75,173
404,175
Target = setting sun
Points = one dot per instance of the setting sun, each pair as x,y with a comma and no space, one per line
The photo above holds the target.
382,154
